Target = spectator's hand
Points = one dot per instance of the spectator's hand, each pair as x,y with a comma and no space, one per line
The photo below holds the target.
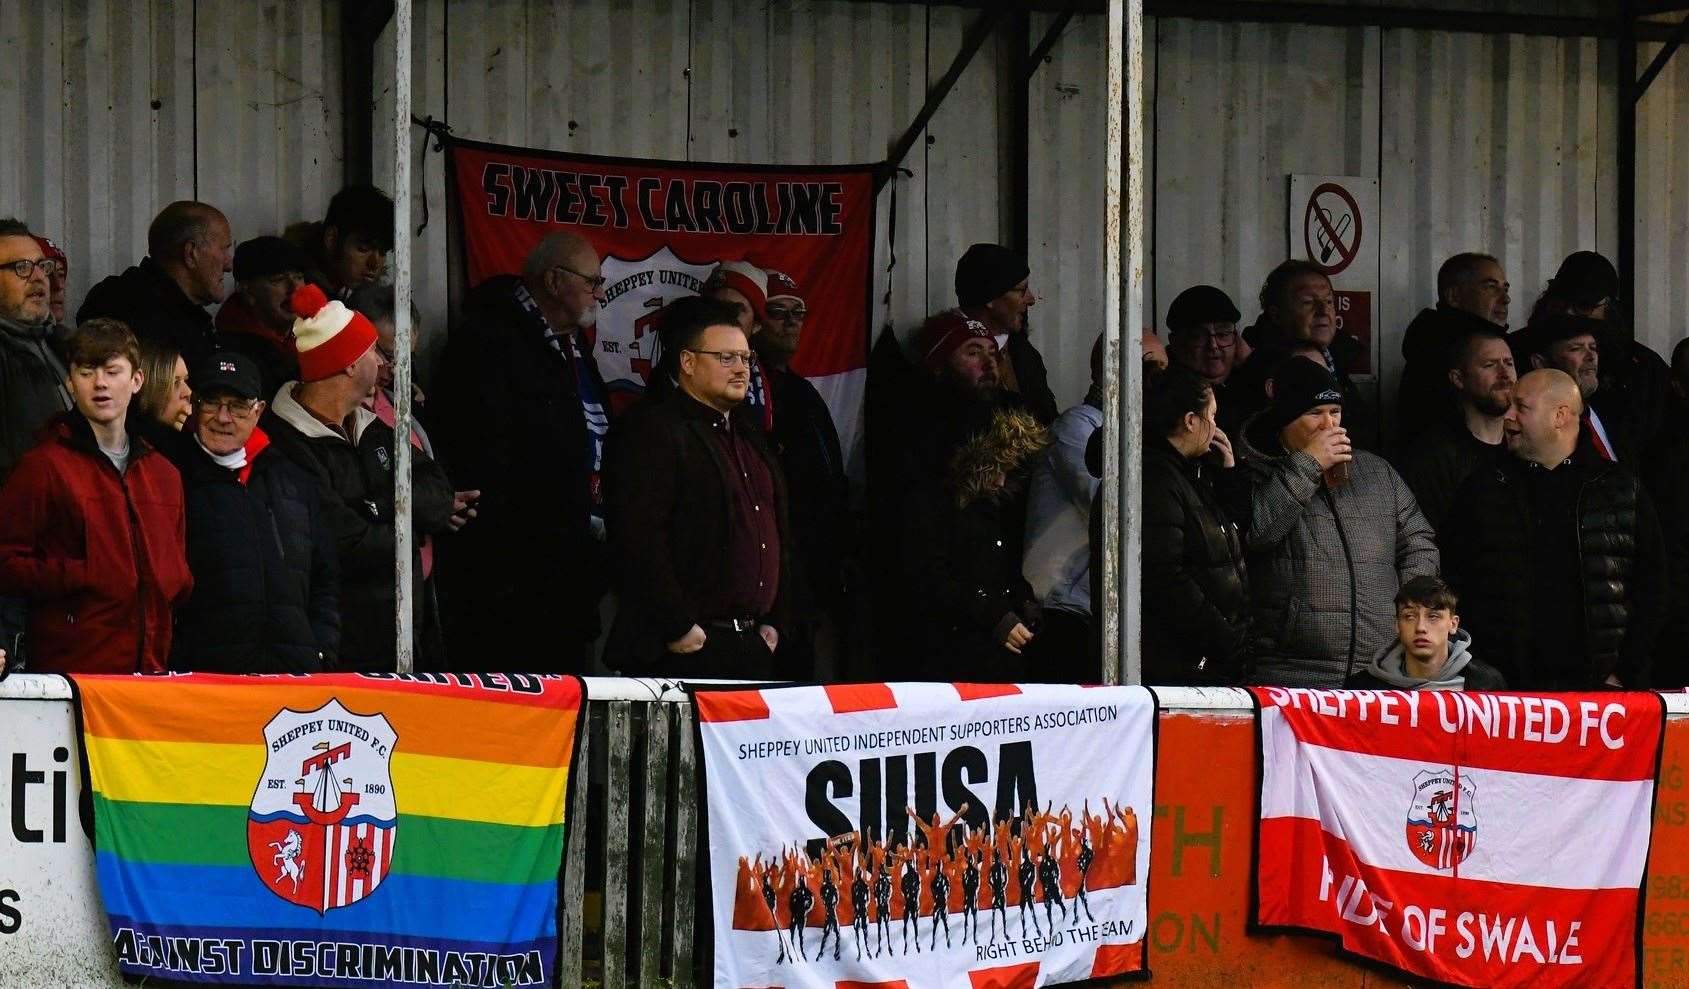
1330,447
1611,681
770,635
417,397
692,641
463,508
1222,444
1017,639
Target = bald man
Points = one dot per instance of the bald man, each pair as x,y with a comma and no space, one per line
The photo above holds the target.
190,250
1556,553
522,417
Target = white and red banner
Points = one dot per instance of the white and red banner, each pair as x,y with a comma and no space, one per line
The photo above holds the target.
1476,839
660,227
927,835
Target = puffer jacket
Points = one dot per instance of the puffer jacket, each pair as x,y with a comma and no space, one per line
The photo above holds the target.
354,478
1623,586
1196,585
267,577
1325,564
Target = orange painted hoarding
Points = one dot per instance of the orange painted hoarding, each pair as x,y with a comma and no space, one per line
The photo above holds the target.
1204,839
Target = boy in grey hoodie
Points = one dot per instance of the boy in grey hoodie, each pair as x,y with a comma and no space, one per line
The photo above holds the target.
1431,651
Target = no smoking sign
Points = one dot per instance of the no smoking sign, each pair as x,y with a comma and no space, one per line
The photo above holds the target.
1332,227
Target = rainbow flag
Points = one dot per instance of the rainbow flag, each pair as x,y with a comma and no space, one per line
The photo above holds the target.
337,830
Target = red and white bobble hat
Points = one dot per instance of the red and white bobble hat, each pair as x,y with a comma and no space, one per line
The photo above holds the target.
746,279
328,336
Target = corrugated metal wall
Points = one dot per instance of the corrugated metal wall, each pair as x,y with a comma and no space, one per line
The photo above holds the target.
718,80
1498,142
110,109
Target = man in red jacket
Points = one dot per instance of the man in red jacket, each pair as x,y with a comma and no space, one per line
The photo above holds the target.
91,524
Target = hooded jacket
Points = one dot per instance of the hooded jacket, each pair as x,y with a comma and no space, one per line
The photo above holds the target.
98,554
155,308
1325,565
1388,670
354,476
267,598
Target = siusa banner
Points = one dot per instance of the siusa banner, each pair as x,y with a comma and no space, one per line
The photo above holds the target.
927,835
353,830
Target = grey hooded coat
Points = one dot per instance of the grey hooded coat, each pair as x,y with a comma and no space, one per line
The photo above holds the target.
1325,565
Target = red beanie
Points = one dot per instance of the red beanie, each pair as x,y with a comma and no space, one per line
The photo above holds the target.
944,334
328,336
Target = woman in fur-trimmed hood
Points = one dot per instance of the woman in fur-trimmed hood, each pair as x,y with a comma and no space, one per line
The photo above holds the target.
980,613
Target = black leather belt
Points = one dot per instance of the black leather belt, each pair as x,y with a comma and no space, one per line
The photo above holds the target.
740,625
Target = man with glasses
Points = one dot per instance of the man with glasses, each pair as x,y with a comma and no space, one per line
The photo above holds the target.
255,319
697,513
320,423
1299,313
1202,338
807,443
1473,297
189,252
521,413
32,379
91,528
266,573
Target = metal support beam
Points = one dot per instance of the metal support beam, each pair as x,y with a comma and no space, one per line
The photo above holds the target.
1464,21
1659,63
978,31
1017,217
404,589
361,22
1046,44
1627,94
1122,494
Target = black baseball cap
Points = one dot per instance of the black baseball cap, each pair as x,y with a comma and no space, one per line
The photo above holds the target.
229,372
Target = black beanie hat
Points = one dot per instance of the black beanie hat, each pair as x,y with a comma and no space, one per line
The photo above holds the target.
1548,330
1585,278
987,271
1201,304
1299,384
261,257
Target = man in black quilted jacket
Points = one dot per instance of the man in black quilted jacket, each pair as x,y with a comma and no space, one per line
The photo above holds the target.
1556,553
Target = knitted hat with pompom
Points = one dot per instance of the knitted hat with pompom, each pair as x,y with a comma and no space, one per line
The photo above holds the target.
328,336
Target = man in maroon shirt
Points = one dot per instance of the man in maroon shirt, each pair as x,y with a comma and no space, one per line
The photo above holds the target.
696,509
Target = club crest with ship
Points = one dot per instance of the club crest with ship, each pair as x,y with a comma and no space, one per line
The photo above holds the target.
1442,820
323,821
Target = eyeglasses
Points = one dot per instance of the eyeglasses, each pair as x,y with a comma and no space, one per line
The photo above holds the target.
780,313
1220,338
23,267
730,358
239,408
596,281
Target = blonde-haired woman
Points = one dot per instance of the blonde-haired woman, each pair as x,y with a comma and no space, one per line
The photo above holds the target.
165,397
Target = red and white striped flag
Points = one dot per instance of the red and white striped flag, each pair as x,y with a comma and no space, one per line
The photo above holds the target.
1476,839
